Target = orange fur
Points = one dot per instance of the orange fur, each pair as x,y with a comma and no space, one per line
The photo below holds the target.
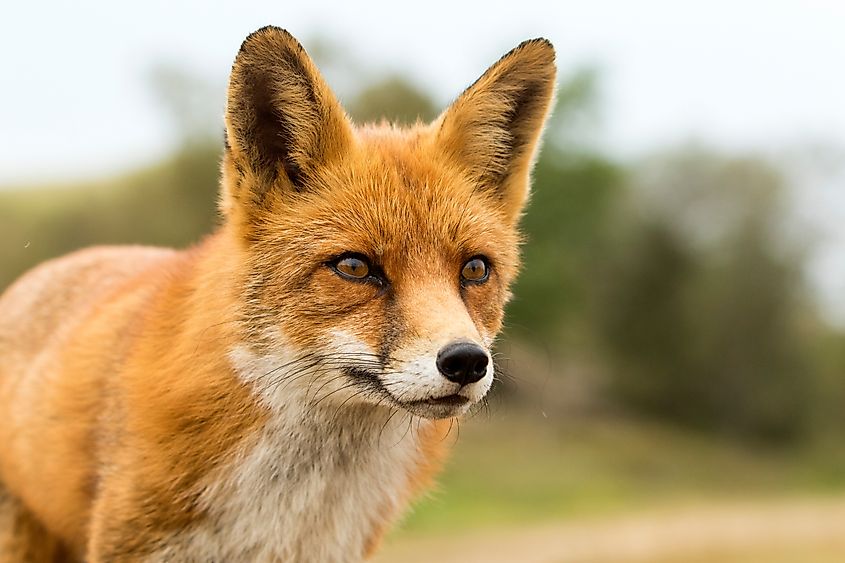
137,385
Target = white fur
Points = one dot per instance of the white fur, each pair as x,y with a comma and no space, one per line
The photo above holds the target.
314,486
413,374
418,379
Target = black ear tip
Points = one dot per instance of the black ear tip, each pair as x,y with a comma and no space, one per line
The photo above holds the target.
268,35
542,41
539,45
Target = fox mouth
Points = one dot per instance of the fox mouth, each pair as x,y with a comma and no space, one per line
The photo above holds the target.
453,400
443,406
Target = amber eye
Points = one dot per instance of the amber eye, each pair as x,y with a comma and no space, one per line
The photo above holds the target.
352,267
475,270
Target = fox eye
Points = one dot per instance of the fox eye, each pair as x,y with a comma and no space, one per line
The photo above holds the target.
475,270
352,267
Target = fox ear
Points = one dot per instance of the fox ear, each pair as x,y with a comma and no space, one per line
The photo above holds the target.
282,120
493,129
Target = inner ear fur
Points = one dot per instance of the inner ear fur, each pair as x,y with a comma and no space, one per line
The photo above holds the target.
493,129
282,120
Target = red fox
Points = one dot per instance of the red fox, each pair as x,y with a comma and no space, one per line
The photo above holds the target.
281,390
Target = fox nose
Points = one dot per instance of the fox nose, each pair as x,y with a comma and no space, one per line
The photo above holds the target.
462,362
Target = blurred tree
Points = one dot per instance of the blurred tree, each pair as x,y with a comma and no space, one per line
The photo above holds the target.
171,204
701,313
642,316
753,354
394,99
566,223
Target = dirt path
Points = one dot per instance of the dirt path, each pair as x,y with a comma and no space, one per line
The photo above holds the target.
797,531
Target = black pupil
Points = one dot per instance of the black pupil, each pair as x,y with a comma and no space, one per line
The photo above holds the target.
354,266
474,269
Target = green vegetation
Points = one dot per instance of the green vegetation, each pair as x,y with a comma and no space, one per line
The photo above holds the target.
170,204
512,469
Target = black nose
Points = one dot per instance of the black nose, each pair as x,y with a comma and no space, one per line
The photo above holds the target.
462,362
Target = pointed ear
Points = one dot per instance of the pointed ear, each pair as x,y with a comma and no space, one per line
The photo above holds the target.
282,120
493,129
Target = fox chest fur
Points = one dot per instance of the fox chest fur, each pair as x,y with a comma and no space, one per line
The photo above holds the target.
339,477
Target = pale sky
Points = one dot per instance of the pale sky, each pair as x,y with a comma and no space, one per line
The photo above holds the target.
764,75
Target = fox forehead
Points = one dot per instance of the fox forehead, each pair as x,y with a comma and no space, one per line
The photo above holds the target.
395,199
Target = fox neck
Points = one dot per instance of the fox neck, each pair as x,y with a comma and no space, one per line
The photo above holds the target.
317,482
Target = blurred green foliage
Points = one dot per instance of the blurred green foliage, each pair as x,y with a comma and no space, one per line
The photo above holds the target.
674,272
393,99
702,308
171,204
518,470
572,200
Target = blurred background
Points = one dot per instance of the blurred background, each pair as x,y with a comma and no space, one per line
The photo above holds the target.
672,375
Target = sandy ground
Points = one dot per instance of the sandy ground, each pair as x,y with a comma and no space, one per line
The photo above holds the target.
796,531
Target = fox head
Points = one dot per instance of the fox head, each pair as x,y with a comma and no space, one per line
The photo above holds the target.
377,259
